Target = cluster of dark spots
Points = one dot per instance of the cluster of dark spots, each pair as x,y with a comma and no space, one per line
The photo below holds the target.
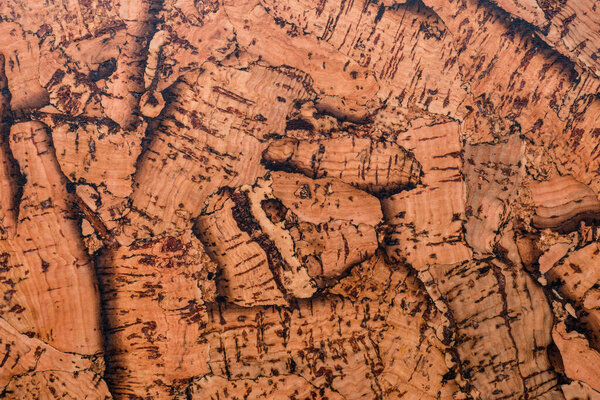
171,245
104,70
44,30
17,309
150,290
242,215
552,7
152,100
141,244
520,103
274,209
430,31
4,257
80,121
299,124
148,330
147,260
57,77
193,312
279,21
69,100
9,294
303,192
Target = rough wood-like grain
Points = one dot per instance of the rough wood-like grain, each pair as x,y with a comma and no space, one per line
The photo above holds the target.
570,27
426,222
365,339
287,234
493,175
47,278
379,168
32,369
562,203
260,199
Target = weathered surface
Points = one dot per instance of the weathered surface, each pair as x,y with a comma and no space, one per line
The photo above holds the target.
283,236
276,388
299,200
153,297
187,160
210,136
562,203
513,359
577,277
379,168
405,48
426,222
321,200
577,356
376,334
47,278
570,27
241,250
493,175
32,369
579,390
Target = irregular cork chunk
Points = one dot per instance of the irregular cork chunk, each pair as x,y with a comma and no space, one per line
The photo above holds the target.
405,47
292,199
528,10
343,86
27,362
319,200
47,278
491,296
245,255
570,27
579,390
345,353
577,356
378,168
562,203
493,174
154,293
425,224
269,254
577,277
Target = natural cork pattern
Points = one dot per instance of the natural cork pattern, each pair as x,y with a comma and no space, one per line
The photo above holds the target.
293,200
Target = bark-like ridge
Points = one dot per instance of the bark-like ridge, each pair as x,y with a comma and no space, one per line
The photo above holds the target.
208,199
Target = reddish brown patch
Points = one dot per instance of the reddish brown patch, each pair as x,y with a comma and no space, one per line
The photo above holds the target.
172,244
